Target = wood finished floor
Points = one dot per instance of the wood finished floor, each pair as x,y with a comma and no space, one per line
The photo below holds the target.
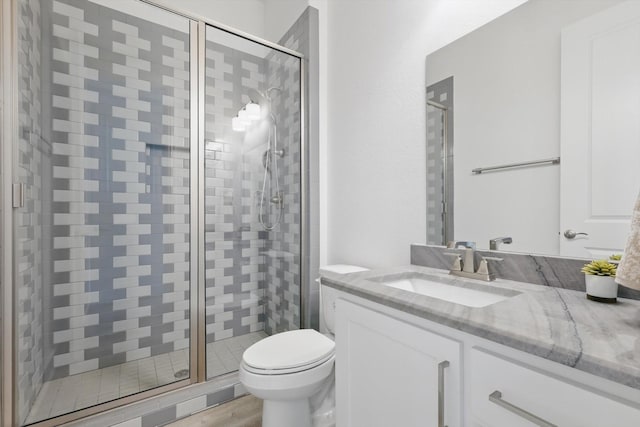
243,412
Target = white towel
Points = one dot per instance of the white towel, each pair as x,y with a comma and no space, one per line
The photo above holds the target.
629,269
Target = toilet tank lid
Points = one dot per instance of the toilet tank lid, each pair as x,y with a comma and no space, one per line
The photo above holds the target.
342,269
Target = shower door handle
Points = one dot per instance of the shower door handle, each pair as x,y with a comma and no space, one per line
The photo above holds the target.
17,195
441,367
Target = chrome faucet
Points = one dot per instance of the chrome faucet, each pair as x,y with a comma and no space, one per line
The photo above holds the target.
463,243
465,267
495,242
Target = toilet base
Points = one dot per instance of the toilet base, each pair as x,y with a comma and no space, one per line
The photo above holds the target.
286,413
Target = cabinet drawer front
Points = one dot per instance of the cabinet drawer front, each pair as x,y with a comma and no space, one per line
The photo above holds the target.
527,397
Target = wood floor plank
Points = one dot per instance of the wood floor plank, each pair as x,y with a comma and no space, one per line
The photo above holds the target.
242,412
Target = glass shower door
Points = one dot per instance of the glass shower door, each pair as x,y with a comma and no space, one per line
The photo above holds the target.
252,195
109,242
103,240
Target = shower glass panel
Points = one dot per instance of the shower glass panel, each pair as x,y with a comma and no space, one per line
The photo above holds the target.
252,196
102,242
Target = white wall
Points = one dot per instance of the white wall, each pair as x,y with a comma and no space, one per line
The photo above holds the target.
267,19
244,15
507,110
279,15
376,119
323,105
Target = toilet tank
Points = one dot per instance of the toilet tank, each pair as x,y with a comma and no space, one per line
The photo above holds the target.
328,296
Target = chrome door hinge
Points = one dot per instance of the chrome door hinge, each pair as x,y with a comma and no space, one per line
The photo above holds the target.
18,195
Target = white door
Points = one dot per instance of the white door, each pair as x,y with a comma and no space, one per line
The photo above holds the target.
600,130
387,372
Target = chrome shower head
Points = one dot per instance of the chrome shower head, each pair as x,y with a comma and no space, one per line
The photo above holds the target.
256,96
260,97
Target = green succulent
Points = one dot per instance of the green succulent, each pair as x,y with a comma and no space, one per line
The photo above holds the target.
600,268
615,257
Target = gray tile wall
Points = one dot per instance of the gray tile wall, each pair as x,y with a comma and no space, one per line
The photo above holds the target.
120,121
34,157
442,93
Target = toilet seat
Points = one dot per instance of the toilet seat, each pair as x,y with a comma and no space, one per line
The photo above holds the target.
288,352
290,386
262,371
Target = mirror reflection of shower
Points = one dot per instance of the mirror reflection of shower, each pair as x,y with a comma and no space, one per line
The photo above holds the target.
260,105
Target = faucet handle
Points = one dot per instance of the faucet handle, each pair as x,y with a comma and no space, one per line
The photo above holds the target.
483,268
457,262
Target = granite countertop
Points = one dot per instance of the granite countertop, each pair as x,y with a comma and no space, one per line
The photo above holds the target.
557,324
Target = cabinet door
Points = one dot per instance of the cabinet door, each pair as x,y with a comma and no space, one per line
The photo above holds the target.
528,397
387,372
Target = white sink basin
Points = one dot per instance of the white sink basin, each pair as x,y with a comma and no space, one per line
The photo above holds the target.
468,294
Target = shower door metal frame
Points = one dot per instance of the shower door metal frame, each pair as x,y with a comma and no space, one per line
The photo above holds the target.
8,133
200,348
8,156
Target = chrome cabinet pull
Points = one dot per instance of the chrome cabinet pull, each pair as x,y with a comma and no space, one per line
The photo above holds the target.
441,366
496,397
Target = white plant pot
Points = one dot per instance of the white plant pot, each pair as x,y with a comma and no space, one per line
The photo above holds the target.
601,288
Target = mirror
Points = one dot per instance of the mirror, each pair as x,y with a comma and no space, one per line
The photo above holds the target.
546,98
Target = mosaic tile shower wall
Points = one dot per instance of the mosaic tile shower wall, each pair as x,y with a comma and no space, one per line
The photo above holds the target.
120,134
34,157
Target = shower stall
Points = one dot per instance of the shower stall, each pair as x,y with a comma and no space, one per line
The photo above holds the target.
152,230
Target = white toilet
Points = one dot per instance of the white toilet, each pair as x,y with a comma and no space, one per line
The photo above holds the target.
287,369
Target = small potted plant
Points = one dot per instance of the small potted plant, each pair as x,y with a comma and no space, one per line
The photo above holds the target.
615,258
600,280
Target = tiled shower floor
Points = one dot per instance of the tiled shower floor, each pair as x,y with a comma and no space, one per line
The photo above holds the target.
80,391
224,356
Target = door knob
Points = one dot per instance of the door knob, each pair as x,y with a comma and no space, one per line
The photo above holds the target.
570,234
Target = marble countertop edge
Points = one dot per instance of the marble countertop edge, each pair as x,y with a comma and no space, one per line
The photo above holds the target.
545,325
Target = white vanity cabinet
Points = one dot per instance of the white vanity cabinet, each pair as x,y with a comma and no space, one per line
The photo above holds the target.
390,366
505,393
390,373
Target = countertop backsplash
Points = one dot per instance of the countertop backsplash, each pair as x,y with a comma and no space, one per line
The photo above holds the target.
537,269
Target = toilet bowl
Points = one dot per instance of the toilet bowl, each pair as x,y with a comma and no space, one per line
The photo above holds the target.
287,369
